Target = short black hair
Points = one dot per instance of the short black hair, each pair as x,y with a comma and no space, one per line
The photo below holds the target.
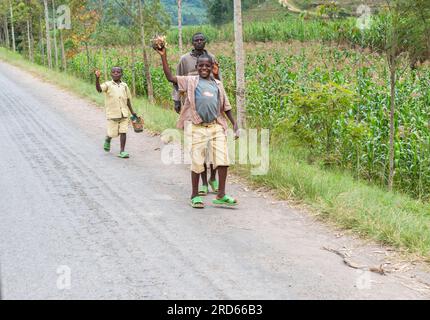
116,67
205,56
198,34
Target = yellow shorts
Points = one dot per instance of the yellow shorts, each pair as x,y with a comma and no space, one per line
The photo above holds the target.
208,143
117,126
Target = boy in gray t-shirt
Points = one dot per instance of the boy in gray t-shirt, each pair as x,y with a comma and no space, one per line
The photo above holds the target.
187,67
204,135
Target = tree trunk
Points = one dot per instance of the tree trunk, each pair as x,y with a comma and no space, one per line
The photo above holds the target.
105,71
133,69
392,124
240,64
88,58
30,51
48,38
6,30
63,52
180,25
149,87
32,36
42,45
54,25
12,29
2,36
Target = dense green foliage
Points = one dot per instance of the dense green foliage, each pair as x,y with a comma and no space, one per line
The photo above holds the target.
333,102
291,27
193,11
221,11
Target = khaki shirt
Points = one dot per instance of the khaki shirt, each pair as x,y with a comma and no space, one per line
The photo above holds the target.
188,84
116,96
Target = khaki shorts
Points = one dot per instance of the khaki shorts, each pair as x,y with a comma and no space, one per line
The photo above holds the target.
117,126
208,143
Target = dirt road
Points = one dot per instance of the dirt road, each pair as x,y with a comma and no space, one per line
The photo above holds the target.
77,222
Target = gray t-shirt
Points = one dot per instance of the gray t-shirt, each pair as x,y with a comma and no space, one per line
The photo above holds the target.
207,100
187,67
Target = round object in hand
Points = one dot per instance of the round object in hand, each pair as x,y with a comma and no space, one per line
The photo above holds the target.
159,42
137,123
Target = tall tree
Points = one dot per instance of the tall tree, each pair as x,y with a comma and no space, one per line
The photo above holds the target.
12,27
48,37
41,42
105,72
54,28
27,8
4,11
131,33
6,29
60,27
240,64
85,20
2,32
180,25
149,87
63,51
30,51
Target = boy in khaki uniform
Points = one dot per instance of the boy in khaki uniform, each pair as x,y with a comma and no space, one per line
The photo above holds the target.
205,108
118,105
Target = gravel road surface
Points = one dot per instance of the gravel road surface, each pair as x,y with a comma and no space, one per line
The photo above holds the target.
79,223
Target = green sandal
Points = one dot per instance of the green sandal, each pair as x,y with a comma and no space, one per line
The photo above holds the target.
197,202
203,190
214,185
106,146
226,201
124,155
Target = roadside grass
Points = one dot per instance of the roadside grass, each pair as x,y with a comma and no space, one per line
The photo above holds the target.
156,119
390,218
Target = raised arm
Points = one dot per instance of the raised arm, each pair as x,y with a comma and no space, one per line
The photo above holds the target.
98,87
170,77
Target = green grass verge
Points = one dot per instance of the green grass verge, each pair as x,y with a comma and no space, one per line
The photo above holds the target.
390,218
156,118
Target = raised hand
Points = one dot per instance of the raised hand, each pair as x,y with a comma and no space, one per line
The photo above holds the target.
215,69
161,52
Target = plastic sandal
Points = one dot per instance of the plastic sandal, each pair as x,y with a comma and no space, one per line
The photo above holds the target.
197,202
124,155
214,185
106,146
203,190
226,201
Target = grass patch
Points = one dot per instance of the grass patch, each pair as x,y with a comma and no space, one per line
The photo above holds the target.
156,118
391,218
